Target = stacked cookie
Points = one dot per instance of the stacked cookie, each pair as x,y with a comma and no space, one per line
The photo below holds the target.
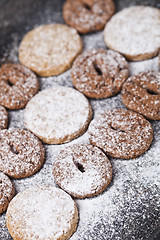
61,114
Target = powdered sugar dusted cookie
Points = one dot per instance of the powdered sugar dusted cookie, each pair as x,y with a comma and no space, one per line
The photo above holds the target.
88,15
21,153
134,32
3,118
121,133
6,192
58,115
99,73
50,49
141,93
17,85
82,170
42,212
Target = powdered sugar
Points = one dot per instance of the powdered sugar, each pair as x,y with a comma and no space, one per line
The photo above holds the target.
22,154
134,31
58,114
6,191
3,117
39,209
129,208
82,170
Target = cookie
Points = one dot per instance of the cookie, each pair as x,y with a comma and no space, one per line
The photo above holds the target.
58,115
82,170
121,133
50,49
21,153
17,86
134,32
7,192
3,118
88,15
99,73
42,212
141,93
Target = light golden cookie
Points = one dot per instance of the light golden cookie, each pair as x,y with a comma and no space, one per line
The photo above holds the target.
6,192
50,49
134,32
42,212
58,115
82,170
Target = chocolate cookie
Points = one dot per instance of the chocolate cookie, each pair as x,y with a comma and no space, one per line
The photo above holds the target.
99,73
43,213
21,153
88,15
50,49
121,133
134,32
17,86
6,192
82,170
58,115
3,118
141,93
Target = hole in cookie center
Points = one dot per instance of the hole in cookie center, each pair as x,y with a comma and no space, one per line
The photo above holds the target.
116,129
151,92
13,149
87,6
79,166
9,83
97,69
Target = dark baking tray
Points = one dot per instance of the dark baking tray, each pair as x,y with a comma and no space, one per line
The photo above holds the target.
16,18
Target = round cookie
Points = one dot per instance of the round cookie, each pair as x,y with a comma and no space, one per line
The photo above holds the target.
141,93
99,73
82,170
58,115
121,133
21,153
42,212
7,192
50,49
3,118
88,15
17,86
134,32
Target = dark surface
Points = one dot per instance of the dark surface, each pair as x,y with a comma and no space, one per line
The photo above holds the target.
19,16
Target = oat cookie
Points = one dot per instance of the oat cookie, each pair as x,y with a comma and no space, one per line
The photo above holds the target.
21,153
7,192
3,118
141,93
99,73
50,49
42,212
82,170
17,85
88,15
121,133
134,32
58,115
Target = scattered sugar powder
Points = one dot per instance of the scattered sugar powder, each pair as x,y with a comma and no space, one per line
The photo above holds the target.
129,208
